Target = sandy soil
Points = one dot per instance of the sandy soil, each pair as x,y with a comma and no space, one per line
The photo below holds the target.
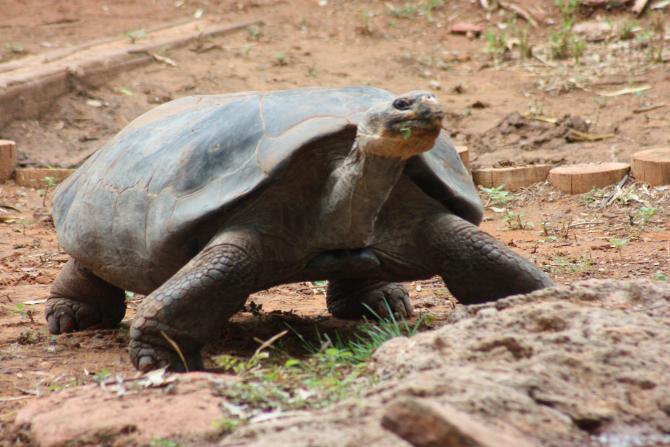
341,43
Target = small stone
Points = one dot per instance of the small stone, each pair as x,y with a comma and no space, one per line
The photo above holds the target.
435,85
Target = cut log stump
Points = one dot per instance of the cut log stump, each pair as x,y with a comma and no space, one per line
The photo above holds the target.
464,153
583,177
7,159
652,166
513,178
37,177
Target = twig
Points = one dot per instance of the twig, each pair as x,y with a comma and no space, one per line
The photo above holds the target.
518,10
269,342
649,108
639,6
583,136
609,199
175,346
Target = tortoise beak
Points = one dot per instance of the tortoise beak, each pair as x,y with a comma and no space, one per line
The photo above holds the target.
429,109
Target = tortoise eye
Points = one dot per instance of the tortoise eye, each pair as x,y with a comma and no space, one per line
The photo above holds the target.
402,104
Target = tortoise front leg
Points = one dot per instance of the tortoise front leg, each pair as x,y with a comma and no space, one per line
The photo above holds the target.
476,267
192,305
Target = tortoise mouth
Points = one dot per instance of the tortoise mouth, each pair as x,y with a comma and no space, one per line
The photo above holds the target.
430,123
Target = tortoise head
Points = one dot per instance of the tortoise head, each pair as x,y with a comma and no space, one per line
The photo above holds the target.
403,127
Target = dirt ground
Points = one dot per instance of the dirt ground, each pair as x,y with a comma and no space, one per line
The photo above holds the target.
610,233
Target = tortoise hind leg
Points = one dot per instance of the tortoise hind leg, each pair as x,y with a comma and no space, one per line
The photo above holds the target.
79,300
178,318
476,267
348,298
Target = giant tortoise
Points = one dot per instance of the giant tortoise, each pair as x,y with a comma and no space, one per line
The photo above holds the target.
206,199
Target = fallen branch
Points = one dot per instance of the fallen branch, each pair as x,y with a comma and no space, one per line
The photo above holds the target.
518,10
575,135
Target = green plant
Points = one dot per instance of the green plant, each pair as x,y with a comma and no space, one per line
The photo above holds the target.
496,43
163,442
653,39
658,42
15,47
333,369
101,375
225,425
496,195
514,221
255,309
254,32
281,59
660,276
428,6
20,309
618,243
563,43
135,35
627,30
51,184
563,264
407,11
593,196
644,215
523,42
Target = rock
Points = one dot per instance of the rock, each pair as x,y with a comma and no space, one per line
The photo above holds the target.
469,29
593,31
423,423
556,367
93,414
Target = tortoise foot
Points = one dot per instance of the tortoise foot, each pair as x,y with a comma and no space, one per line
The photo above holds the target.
155,351
79,300
358,298
65,315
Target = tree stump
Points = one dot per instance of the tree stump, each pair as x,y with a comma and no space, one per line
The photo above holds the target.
583,177
652,166
37,177
7,159
514,177
464,153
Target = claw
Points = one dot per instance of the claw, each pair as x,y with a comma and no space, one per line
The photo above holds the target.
64,315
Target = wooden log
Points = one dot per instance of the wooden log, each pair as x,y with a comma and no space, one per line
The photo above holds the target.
583,177
513,178
37,177
464,153
652,166
29,88
7,159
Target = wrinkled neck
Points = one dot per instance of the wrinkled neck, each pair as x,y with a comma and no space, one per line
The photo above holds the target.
356,192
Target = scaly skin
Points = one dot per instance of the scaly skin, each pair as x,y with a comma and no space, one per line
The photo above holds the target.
476,267
79,300
191,307
347,298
